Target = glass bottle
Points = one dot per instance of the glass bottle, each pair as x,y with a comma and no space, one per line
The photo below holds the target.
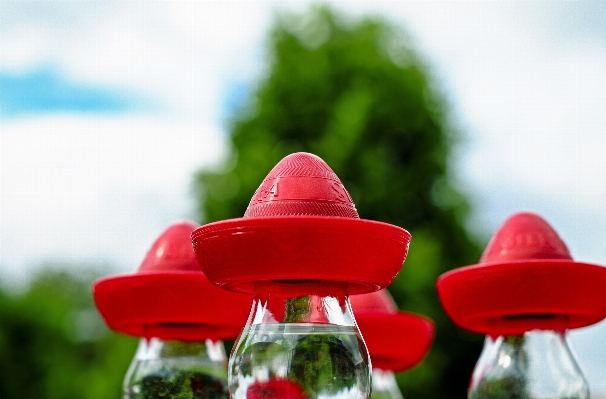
384,385
537,364
177,370
299,346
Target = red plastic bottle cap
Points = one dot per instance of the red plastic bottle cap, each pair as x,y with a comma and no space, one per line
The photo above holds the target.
301,226
526,280
169,297
396,341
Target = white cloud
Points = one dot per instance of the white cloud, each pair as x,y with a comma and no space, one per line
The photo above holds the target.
543,129
98,188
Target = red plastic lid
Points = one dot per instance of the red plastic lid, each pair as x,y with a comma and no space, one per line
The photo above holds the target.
301,226
169,297
526,280
396,341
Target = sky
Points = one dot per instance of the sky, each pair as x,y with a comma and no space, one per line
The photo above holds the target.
107,108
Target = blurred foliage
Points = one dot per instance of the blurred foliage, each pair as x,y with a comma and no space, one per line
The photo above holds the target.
356,94
54,345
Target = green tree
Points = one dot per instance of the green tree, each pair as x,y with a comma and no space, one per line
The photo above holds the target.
357,95
54,345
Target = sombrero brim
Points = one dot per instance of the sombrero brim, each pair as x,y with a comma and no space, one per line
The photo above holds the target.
514,297
398,341
362,255
170,305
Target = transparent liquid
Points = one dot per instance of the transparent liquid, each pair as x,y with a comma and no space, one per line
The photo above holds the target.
177,378
298,361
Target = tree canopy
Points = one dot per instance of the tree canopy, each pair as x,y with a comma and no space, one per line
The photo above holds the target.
357,94
54,345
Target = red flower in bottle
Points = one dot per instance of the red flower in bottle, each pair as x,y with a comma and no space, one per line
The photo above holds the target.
277,388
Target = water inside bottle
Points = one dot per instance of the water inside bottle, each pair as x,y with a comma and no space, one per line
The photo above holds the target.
299,360
181,377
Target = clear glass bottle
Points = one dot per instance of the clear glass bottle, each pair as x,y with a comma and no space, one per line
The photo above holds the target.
538,364
299,347
177,370
384,385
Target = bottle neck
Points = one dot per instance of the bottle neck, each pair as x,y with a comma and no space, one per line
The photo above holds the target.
332,309
537,364
156,349
384,385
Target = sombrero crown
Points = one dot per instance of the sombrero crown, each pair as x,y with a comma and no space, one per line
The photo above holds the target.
525,237
396,341
301,226
526,280
301,184
169,297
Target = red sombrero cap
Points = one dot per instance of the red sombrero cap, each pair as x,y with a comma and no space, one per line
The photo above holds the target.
526,279
301,226
169,297
397,341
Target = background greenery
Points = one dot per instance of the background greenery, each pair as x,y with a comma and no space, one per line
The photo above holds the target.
355,93
53,344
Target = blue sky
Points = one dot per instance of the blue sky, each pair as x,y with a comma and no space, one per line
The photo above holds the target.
107,108
45,90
